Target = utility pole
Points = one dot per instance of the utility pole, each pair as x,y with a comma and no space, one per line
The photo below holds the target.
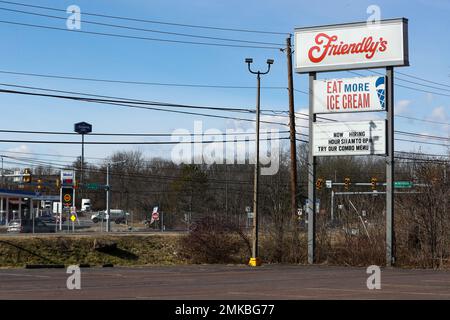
226,191
254,260
292,128
108,198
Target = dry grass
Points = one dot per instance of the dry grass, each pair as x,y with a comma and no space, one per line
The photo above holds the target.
131,250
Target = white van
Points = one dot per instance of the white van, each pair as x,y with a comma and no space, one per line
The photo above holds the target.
86,205
116,215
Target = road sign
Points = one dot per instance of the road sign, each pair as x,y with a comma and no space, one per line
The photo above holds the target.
73,218
67,197
83,128
94,186
155,214
352,46
67,177
329,184
349,95
317,205
349,138
403,184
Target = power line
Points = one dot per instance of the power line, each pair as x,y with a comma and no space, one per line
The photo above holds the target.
120,99
153,21
70,163
129,104
165,104
423,160
136,82
190,85
424,120
422,79
37,163
409,81
133,142
422,135
136,37
423,142
407,87
135,134
119,102
188,134
143,29
424,154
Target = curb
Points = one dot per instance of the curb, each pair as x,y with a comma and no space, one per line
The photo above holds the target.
44,266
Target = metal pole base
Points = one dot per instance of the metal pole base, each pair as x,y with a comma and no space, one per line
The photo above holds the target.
254,262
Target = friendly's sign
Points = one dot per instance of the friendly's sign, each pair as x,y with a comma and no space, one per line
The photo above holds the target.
349,95
352,46
349,138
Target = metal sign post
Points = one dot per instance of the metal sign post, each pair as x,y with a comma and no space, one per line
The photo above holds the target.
311,209
390,245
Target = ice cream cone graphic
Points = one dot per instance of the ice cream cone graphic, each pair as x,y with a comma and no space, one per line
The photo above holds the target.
379,85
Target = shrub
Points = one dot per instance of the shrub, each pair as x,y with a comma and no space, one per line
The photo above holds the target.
215,240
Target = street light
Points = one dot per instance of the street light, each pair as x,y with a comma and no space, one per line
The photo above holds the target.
108,193
82,128
254,260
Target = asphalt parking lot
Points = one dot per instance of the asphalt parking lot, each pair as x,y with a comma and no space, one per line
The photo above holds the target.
269,282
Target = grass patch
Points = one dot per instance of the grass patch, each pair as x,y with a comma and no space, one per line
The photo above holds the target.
131,250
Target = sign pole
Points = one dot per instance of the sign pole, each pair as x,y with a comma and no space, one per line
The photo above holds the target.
60,207
108,198
390,240
311,208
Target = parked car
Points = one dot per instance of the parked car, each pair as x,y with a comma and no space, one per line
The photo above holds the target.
26,226
48,218
116,215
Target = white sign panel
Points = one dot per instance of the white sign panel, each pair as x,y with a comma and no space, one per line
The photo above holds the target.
67,177
349,95
352,46
349,138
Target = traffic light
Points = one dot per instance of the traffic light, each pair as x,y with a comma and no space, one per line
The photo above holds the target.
39,184
347,183
319,183
373,183
26,177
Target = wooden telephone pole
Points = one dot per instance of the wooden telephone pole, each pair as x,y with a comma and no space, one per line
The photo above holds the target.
292,128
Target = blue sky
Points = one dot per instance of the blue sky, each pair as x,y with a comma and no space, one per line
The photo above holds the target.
64,53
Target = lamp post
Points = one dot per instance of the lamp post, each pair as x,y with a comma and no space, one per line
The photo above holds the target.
108,194
254,260
3,177
82,128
